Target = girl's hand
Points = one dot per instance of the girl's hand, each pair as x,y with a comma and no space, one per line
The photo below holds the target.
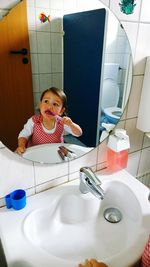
92,263
75,128
21,145
67,121
20,150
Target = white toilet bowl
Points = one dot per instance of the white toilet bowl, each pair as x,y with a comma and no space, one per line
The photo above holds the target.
110,98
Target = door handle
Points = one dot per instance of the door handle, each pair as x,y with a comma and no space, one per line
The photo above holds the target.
23,51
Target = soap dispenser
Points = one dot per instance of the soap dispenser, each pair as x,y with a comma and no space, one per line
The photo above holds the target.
117,150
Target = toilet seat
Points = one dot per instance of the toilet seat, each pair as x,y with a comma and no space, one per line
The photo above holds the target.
113,112
110,98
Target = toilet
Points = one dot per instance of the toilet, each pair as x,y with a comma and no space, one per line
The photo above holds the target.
110,94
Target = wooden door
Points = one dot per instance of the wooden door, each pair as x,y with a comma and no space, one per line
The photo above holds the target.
16,94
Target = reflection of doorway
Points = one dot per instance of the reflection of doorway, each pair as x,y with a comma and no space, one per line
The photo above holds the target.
16,96
83,60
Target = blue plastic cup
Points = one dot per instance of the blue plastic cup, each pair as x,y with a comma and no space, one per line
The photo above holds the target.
18,199
8,201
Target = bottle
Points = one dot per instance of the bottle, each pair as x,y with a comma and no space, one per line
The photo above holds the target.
117,152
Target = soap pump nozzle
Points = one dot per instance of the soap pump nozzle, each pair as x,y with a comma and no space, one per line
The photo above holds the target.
121,134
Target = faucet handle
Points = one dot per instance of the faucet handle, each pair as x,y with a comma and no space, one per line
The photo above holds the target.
90,174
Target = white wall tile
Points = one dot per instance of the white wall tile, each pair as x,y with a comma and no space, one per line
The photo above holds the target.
57,79
131,30
30,3
142,49
102,152
45,81
146,142
144,165
120,125
133,106
83,5
57,43
33,41
51,183
40,26
70,5
34,63
43,42
89,159
35,83
105,2
123,117
136,136
48,172
31,17
36,100
44,63
133,163
145,14
14,172
57,63
114,6
42,4
56,4
56,21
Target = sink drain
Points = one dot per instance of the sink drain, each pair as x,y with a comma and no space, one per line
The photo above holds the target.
112,215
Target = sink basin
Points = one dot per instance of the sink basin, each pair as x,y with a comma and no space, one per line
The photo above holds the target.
77,222
62,227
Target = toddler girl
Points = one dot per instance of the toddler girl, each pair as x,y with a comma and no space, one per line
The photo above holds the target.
48,126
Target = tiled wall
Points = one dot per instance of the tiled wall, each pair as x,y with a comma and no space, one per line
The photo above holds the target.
19,173
46,43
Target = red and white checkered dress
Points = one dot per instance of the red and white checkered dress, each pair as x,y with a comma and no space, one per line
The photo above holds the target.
146,255
39,136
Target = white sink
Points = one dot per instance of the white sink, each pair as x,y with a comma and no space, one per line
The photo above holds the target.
62,227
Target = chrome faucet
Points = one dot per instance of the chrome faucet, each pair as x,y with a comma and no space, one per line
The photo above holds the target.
89,182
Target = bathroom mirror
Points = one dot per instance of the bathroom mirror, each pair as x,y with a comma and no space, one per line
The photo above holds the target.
46,53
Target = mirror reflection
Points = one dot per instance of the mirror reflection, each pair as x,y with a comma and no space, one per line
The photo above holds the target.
50,65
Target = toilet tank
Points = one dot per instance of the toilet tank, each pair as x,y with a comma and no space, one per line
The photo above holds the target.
111,71
110,88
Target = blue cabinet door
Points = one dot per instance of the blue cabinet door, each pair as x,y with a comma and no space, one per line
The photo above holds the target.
83,52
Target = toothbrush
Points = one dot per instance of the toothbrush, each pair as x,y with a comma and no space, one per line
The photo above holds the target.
67,152
58,118
62,155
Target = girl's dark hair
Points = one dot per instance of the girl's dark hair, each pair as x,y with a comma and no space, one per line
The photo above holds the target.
59,92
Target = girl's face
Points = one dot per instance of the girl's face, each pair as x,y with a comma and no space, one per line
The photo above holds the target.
51,105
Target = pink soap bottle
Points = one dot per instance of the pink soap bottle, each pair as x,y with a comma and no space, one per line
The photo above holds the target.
117,151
